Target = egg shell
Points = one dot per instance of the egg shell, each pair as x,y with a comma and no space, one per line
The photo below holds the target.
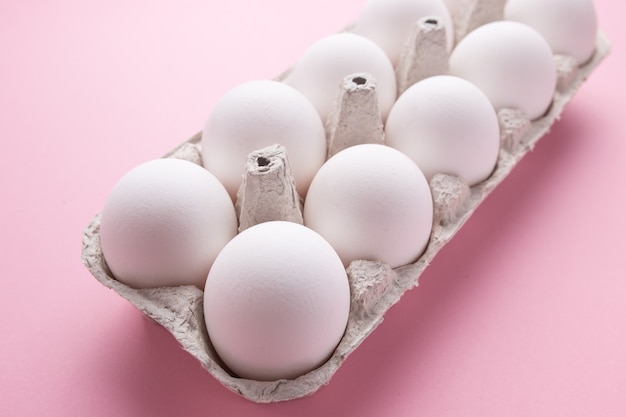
389,22
164,223
257,114
511,63
376,287
276,301
446,125
371,202
569,26
321,69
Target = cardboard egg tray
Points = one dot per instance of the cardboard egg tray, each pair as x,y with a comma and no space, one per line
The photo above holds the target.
375,287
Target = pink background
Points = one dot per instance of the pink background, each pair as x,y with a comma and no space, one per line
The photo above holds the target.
522,314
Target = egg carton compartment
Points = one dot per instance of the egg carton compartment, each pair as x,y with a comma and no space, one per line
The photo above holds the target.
375,287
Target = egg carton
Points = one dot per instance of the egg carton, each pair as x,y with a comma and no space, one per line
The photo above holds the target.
375,287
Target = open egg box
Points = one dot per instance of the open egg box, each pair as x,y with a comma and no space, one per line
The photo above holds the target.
374,286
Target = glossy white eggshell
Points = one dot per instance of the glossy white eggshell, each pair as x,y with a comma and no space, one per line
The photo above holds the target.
569,26
321,69
371,202
164,223
276,301
258,114
389,22
446,125
511,63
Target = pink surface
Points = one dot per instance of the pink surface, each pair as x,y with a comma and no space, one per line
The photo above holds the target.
522,314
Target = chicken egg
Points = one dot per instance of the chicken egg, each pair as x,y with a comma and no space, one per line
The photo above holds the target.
257,114
389,22
511,63
446,125
371,202
164,223
569,26
276,301
323,66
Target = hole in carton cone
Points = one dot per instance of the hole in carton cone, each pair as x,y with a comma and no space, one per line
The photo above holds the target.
431,21
359,80
262,162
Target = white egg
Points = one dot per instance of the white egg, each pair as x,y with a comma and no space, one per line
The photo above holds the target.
371,202
569,26
164,223
323,66
276,301
446,125
258,114
511,63
389,22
